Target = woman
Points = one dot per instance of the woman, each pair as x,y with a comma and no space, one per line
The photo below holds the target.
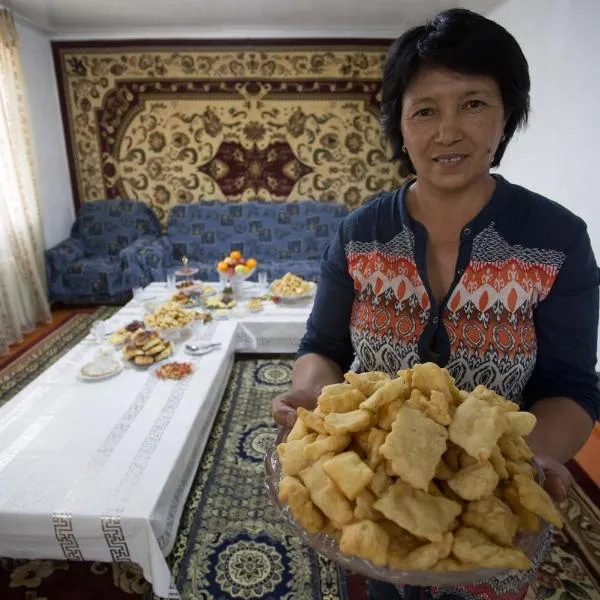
459,266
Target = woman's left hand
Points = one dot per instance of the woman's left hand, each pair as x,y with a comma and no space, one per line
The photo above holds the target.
557,480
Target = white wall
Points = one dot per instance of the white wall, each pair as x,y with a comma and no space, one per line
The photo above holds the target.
54,186
558,155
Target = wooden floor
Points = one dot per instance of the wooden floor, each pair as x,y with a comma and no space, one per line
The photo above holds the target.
588,458
59,316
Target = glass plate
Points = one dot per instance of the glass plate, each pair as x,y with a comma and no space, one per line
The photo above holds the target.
186,271
530,543
101,369
308,294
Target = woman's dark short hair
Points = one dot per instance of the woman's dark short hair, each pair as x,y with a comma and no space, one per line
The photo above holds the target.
465,42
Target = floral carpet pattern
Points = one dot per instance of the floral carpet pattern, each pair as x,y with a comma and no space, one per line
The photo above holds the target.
231,543
181,122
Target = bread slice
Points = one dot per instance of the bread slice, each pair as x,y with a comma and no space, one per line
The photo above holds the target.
129,354
141,337
165,353
151,344
155,349
118,337
143,360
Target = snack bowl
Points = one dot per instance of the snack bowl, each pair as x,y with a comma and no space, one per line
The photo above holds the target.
177,335
151,306
188,298
295,298
186,284
533,544
157,369
150,349
291,288
207,290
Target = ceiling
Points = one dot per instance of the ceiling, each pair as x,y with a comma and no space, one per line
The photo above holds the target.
231,18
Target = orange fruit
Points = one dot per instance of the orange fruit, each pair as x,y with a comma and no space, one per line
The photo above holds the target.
236,255
222,266
251,262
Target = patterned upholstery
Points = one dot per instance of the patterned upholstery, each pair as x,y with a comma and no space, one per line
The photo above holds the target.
99,262
280,236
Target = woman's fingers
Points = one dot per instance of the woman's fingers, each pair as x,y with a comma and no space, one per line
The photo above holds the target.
283,414
284,406
557,480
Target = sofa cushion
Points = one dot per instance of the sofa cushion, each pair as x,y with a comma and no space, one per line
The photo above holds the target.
267,231
92,277
322,220
105,227
206,231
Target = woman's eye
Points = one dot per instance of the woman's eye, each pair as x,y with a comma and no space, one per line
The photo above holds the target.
474,104
424,112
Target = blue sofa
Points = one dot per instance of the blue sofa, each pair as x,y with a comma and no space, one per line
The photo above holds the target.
98,262
282,237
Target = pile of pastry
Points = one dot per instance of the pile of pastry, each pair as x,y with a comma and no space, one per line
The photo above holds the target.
415,474
144,348
118,337
290,285
171,315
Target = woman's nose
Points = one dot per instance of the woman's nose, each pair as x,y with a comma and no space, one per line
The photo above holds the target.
449,129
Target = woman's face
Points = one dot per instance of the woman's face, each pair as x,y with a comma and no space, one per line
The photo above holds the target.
452,125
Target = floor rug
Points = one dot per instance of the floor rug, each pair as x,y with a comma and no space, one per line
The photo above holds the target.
230,543
28,365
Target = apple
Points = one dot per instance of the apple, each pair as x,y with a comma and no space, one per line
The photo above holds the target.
240,270
229,261
231,271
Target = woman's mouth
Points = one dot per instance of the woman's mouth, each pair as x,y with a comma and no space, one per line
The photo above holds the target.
450,160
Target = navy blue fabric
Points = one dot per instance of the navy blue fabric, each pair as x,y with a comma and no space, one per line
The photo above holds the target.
294,234
99,262
565,321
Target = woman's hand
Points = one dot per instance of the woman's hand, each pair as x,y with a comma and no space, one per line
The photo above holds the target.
557,480
284,406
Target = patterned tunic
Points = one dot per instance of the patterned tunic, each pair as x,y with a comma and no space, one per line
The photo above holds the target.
521,316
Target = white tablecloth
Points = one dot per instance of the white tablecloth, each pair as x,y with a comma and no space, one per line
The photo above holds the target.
278,328
101,471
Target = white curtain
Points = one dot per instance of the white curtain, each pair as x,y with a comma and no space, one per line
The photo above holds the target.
23,300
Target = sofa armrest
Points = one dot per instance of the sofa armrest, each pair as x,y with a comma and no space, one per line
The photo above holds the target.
63,254
132,269
155,258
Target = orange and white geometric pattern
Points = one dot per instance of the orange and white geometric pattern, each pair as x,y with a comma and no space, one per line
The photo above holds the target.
488,319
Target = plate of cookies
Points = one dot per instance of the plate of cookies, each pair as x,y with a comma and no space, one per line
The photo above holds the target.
291,288
118,337
145,348
413,481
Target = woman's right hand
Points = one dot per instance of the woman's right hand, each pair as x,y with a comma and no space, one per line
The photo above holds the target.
284,406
